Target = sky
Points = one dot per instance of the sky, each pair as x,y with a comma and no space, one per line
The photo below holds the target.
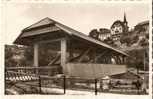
82,17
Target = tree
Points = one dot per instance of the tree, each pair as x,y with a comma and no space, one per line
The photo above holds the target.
136,59
125,39
143,42
18,55
9,52
94,34
134,39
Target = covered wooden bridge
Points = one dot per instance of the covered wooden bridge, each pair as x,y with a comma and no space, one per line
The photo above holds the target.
78,55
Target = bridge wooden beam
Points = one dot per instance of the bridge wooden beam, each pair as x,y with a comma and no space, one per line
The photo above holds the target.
72,58
84,54
50,41
99,56
36,55
54,60
70,49
115,58
63,52
121,58
124,59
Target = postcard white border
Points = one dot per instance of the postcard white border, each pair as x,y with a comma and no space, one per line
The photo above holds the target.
106,96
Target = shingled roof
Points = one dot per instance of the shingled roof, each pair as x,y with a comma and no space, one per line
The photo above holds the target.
53,26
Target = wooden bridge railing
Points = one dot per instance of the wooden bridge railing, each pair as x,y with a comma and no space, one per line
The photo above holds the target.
28,73
41,80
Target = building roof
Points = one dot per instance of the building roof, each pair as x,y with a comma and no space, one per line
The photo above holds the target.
117,22
54,26
143,23
40,23
104,31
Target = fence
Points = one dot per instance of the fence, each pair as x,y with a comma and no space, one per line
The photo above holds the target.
47,82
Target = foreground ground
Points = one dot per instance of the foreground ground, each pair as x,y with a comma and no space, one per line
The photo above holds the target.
32,88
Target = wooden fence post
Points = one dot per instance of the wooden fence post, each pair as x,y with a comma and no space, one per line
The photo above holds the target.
64,84
95,86
39,85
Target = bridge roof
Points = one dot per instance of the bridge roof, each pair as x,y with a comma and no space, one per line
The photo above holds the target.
48,25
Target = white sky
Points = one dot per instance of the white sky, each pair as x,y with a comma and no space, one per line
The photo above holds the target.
82,17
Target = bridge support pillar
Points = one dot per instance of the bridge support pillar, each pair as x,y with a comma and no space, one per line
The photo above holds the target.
36,56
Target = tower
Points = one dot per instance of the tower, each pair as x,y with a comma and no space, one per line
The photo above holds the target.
125,23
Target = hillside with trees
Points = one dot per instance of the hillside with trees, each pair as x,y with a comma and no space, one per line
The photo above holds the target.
135,43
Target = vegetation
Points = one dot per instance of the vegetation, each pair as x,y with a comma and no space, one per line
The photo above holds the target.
137,58
134,42
18,55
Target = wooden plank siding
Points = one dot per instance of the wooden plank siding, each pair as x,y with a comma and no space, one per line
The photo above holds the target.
40,31
84,70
